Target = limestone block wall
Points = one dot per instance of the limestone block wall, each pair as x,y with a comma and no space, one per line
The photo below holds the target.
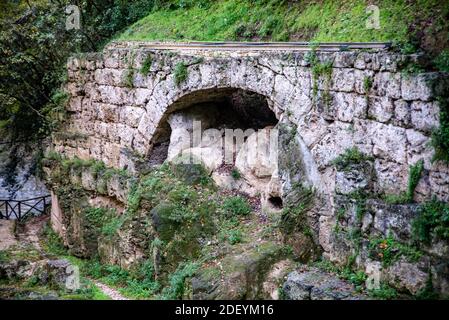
367,101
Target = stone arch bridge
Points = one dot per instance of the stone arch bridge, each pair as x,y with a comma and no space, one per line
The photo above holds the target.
362,99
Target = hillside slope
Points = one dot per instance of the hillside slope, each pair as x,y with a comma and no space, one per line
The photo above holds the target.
422,23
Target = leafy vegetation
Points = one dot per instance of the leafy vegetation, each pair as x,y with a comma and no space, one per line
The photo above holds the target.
235,173
432,220
292,217
385,292
349,157
236,206
388,250
442,61
35,46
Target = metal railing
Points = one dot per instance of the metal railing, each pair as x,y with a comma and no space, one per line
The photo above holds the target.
21,209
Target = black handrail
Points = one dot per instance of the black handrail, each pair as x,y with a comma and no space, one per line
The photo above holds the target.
20,209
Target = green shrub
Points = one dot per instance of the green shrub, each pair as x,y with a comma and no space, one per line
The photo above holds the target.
235,236
236,206
52,242
432,220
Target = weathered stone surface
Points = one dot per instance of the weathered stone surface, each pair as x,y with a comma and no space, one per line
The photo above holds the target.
354,179
393,219
313,284
406,277
417,87
424,116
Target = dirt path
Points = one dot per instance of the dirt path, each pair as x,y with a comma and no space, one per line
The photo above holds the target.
28,233
112,293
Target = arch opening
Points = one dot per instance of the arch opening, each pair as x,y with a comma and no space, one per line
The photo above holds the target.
226,108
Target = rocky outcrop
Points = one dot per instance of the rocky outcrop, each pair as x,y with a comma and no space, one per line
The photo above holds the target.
314,284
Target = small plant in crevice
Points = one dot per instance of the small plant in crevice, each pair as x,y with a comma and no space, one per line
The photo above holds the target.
129,78
415,172
320,70
440,136
367,85
350,156
146,65
180,73
235,173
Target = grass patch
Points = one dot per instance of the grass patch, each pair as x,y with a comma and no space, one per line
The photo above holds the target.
317,21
